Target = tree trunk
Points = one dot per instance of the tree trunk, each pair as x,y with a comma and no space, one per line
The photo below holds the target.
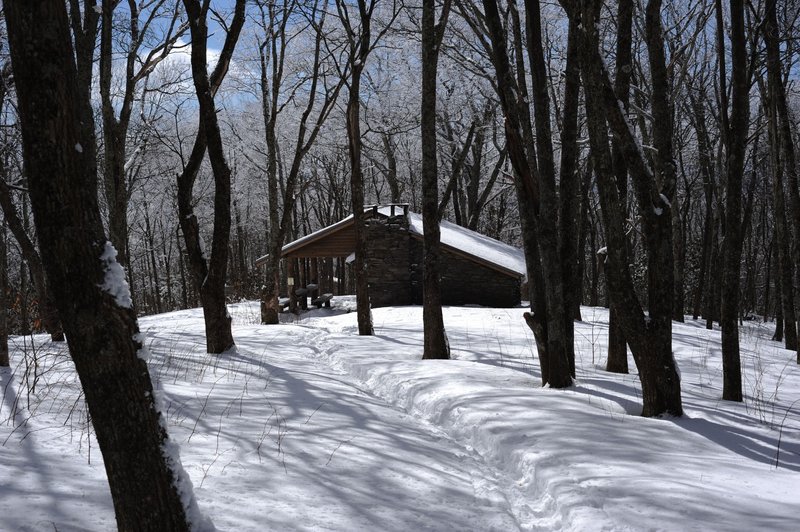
47,309
561,352
435,337
363,312
280,214
679,255
782,234
391,167
778,93
736,136
358,56
570,194
144,473
617,346
704,284
84,22
552,350
713,290
650,338
270,309
209,274
4,303
151,248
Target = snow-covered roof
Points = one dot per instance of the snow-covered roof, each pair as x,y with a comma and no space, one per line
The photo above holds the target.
475,245
459,240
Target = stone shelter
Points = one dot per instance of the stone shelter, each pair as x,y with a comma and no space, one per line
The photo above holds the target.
477,270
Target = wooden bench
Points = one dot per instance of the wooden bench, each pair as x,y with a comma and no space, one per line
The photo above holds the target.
283,302
323,299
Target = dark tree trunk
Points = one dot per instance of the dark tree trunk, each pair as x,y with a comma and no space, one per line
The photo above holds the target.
736,135
704,286
116,126
4,362
435,337
777,336
145,476
270,309
650,338
212,289
617,346
679,256
769,262
594,295
47,308
570,195
713,290
166,248
358,56
391,167
778,94
538,209
560,343
182,272
456,168
84,23
363,312
151,248
209,275
782,235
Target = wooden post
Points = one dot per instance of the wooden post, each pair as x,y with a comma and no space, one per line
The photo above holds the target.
315,271
301,286
314,279
329,275
339,275
284,268
291,264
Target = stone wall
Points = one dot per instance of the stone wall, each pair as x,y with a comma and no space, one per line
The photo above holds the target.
388,253
394,266
467,283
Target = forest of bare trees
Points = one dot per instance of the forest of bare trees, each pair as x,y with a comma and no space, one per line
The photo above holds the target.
642,154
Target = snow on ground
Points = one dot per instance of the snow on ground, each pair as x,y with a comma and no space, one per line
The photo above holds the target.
308,426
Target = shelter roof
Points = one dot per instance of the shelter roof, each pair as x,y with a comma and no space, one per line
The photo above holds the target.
338,240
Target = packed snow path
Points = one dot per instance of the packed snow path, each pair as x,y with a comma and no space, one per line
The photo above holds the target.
336,457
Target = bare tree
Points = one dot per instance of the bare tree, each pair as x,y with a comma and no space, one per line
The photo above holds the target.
4,362
281,205
209,273
617,361
360,42
650,337
735,133
536,190
784,139
435,338
148,486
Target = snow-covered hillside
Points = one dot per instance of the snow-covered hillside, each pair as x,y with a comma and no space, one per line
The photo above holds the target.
308,426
